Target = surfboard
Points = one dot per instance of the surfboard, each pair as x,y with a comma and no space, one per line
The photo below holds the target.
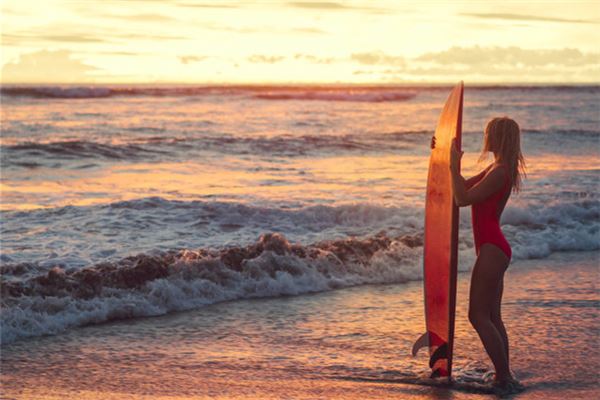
441,242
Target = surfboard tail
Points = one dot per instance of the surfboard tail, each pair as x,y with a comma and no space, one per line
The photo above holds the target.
429,339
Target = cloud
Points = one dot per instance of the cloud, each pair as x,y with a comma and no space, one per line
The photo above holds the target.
118,53
71,38
113,52
7,10
142,17
315,59
364,72
520,17
76,34
499,64
332,6
47,66
191,59
9,39
477,56
494,73
258,58
207,5
308,30
377,58
145,36
310,5
321,5
272,30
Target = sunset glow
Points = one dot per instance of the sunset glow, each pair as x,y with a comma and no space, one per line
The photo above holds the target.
258,199
299,42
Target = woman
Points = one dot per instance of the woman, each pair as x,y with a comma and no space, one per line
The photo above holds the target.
488,193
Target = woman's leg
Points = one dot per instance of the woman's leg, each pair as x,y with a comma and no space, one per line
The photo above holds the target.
485,283
497,319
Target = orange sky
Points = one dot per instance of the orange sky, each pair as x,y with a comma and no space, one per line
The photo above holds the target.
186,41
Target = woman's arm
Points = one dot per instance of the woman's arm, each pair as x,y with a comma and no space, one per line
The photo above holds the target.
465,195
469,183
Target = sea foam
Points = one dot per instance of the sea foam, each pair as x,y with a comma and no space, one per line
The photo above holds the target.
146,285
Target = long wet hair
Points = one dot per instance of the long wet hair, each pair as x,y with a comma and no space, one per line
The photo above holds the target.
503,135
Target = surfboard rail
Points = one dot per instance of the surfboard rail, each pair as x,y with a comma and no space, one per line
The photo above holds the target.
440,249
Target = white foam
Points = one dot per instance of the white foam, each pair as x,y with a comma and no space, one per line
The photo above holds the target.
538,230
192,283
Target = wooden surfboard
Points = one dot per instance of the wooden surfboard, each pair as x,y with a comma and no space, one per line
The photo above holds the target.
441,242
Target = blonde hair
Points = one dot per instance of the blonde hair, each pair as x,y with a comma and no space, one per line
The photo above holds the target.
503,137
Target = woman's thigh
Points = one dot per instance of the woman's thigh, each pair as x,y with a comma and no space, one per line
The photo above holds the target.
486,279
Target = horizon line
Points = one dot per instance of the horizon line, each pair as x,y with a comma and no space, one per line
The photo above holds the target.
313,84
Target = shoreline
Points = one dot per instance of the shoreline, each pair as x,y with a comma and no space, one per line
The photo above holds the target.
287,346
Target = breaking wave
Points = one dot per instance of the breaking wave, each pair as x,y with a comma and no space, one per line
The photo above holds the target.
49,297
146,285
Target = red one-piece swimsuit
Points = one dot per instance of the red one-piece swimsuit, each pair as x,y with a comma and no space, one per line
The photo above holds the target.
486,220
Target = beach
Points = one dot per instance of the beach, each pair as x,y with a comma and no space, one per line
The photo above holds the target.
344,344
267,241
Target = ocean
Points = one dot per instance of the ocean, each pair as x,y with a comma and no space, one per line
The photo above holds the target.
125,202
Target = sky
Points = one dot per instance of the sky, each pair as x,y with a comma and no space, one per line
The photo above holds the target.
373,42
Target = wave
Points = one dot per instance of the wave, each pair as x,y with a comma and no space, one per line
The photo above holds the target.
155,223
534,230
146,285
565,132
79,149
373,93
538,230
87,92
358,94
24,154
49,297
347,95
53,154
324,93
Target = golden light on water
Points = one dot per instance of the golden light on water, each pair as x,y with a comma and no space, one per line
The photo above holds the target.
319,180
360,178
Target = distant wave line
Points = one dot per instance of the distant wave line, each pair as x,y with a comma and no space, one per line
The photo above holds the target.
357,93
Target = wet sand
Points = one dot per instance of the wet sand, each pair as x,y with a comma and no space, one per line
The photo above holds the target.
351,343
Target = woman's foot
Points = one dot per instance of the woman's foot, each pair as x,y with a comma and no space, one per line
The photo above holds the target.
508,386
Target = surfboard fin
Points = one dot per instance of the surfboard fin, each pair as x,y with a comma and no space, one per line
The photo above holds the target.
439,353
422,341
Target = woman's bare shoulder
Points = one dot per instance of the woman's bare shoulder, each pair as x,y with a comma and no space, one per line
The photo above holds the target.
494,166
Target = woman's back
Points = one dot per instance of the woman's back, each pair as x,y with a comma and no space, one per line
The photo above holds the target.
485,216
